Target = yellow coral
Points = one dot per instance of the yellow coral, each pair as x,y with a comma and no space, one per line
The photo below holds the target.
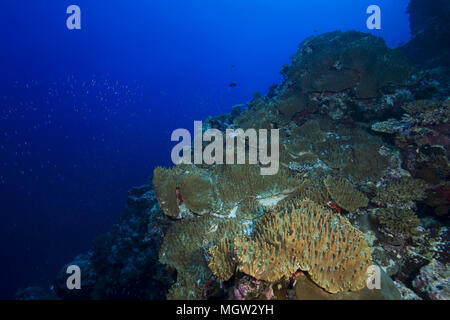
221,260
312,239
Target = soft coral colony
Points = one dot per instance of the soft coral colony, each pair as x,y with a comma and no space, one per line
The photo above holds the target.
342,188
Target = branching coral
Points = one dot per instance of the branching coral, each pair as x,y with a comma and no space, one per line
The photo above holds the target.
398,220
401,191
345,194
309,238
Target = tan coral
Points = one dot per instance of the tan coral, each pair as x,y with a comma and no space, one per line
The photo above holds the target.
185,246
165,184
221,260
398,220
344,194
311,189
312,239
196,192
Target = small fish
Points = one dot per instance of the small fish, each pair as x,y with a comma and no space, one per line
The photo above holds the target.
292,278
334,206
179,197
232,85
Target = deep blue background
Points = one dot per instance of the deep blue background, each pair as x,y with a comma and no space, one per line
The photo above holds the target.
85,115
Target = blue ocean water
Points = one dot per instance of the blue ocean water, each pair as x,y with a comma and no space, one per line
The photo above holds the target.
87,114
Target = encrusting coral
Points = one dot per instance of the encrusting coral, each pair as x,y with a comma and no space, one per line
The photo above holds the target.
310,238
344,194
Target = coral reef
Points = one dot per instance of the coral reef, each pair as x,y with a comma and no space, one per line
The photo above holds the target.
356,122
429,46
305,289
196,192
165,184
427,112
